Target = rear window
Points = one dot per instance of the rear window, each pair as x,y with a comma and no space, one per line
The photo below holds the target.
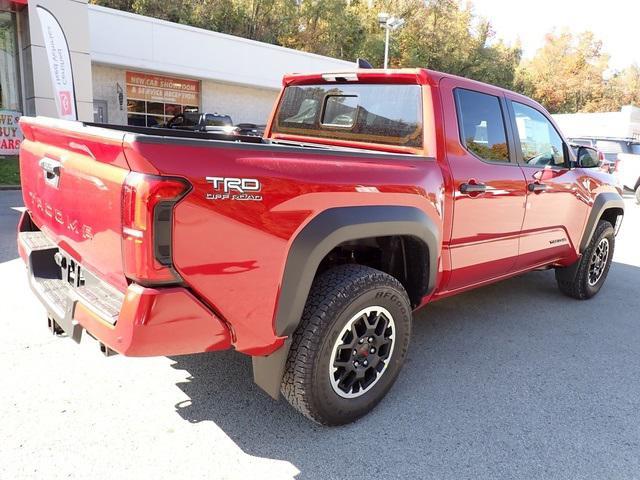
387,114
218,121
190,119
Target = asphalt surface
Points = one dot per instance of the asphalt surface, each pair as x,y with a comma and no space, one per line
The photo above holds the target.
513,380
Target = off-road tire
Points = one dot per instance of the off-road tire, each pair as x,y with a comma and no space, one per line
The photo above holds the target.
336,296
574,279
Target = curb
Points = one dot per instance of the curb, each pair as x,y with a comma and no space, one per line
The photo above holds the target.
10,187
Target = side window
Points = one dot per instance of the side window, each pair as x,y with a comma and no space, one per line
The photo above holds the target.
482,125
540,142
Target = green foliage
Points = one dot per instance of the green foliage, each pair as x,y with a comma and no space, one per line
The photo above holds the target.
438,34
565,75
9,170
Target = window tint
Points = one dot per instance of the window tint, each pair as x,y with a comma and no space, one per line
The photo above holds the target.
340,110
218,121
481,125
540,142
190,119
388,114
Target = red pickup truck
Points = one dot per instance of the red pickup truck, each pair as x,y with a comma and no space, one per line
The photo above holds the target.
373,193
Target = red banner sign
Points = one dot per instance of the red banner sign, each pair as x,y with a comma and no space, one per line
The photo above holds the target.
10,133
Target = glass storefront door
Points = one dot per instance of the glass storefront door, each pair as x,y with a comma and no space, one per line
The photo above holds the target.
9,83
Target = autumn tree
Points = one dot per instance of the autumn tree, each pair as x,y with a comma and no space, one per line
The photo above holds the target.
443,35
620,88
566,74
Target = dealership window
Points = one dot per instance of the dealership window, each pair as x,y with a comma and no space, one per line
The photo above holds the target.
9,84
154,99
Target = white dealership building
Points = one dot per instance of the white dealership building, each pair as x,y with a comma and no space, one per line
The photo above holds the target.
134,69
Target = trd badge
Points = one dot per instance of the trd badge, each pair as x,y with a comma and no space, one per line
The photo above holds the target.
230,188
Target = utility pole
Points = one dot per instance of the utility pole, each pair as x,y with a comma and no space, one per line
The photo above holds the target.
388,22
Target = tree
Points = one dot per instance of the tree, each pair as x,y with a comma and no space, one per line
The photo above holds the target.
438,34
327,27
621,88
566,74
443,35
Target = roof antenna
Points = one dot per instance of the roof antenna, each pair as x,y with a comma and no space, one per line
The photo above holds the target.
362,63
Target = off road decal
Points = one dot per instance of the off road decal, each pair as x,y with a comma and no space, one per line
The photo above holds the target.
230,188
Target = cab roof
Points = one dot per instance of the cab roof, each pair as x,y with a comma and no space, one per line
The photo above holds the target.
416,76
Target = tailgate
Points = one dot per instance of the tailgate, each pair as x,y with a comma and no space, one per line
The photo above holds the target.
72,177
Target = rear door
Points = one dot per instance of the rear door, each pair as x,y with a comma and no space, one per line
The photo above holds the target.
489,186
558,196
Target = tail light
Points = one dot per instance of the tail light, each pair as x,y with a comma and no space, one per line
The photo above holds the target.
147,223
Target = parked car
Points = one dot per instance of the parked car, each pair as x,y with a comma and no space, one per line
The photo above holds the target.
203,122
623,155
250,129
606,165
372,193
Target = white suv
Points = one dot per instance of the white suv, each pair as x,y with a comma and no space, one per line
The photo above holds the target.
624,153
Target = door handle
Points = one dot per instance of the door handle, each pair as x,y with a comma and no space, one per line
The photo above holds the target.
51,170
473,188
537,187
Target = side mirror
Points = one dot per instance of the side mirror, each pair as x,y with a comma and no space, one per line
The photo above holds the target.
588,157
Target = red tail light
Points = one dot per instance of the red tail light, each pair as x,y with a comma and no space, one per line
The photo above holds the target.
147,221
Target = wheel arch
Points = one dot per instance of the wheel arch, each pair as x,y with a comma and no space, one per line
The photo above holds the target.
608,206
323,233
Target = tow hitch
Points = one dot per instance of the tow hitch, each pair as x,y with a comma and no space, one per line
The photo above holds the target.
55,329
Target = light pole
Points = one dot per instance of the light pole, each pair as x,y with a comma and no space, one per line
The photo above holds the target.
388,22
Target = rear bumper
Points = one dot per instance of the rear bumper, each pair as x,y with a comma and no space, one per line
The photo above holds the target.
140,322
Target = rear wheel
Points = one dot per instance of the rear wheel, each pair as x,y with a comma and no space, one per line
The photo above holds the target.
350,345
585,278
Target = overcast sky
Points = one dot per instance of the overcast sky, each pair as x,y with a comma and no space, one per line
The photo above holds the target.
615,22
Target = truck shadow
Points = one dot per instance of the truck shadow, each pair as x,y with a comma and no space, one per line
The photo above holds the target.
490,372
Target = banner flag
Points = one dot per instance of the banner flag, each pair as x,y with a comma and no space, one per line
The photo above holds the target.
59,64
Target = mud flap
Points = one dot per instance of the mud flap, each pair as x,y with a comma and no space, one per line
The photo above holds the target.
268,371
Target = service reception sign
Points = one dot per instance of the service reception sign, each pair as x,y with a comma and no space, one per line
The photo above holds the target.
158,88
10,133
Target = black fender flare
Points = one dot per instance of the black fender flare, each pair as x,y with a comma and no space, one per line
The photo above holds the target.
604,201
324,232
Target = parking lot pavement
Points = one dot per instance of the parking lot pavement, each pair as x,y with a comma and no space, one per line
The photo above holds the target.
513,380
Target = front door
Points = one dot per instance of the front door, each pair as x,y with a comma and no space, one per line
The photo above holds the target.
557,198
489,185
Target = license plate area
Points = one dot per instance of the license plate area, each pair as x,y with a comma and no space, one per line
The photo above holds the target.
60,281
71,271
